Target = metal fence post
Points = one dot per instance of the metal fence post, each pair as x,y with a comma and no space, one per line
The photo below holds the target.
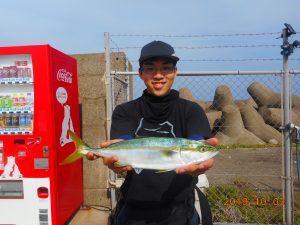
108,85
287,179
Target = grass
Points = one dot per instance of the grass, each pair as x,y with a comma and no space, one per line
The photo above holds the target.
297,206
240,203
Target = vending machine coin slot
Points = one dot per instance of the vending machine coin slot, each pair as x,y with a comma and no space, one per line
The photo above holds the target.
46,151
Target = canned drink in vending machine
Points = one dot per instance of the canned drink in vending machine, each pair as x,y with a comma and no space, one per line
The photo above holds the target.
15,121
22,120
15,100
5,72
29,99
20,72
1,121
22,100
28,120
13,71
28,72
1,73
8,121
6,102
1,102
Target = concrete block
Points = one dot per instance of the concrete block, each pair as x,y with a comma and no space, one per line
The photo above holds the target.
96,197
94,112
90,64
92,86
94,135
95,174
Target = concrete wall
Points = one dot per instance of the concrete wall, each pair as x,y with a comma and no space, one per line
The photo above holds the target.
92,97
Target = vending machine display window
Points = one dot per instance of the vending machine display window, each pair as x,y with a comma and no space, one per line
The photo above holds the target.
16,94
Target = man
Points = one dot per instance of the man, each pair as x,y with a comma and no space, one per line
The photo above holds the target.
149,197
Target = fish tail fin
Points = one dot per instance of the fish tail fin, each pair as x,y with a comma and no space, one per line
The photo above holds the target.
81,148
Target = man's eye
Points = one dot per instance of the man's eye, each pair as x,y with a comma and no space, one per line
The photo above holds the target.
167,68
149,69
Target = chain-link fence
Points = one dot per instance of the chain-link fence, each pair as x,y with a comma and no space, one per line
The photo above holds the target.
245,112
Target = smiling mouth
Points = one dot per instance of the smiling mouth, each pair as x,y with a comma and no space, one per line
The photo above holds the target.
158,85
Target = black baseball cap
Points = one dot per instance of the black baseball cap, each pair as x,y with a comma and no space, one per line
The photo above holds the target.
157,49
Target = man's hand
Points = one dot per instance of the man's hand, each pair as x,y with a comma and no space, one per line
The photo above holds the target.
197,169
110,162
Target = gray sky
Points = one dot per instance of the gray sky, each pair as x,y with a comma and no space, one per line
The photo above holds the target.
78,26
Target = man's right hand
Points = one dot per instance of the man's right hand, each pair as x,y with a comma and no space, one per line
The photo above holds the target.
110,162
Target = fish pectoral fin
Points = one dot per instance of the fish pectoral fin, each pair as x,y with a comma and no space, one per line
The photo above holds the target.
119,164
167,152
138,170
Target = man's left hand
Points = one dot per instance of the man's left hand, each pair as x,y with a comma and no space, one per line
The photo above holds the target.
196,169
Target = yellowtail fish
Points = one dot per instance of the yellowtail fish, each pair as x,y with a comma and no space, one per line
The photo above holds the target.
156,153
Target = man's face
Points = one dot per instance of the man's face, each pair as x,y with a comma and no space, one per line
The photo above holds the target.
158,76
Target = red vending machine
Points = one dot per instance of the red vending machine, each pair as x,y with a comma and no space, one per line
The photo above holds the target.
38,105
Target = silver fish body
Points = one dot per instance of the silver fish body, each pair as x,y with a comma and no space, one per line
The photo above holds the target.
156,153
159,153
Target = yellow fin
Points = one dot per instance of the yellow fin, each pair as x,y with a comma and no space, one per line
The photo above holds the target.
80,149
118,164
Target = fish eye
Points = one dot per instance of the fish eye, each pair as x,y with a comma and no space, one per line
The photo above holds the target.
201,149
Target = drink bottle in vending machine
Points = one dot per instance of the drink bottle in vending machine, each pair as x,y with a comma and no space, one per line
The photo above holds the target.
37,108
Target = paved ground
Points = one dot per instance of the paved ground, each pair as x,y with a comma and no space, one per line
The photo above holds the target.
90,216
95,217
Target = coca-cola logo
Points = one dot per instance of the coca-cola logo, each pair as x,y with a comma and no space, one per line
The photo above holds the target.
64,76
